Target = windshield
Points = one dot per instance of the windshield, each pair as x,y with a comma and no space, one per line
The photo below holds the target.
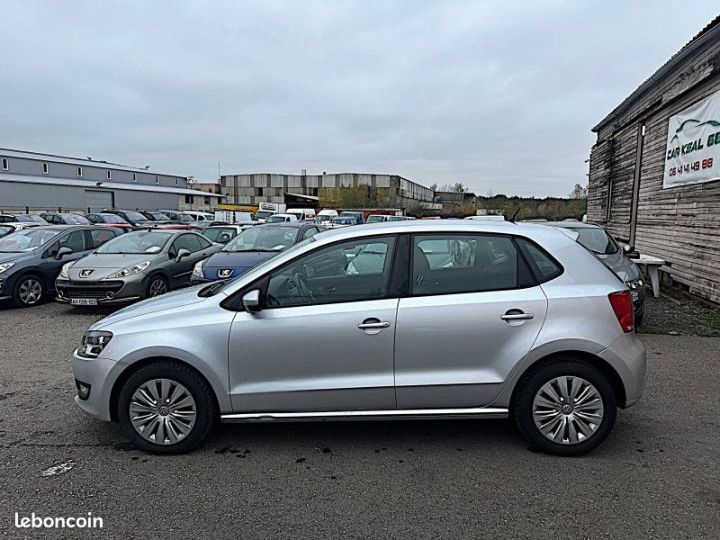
277,219
111,218
74,219
29,218
262,238
4,229
219,234
375,217
185,218
135,243
135,216
159,217
596,240
263,214
26,240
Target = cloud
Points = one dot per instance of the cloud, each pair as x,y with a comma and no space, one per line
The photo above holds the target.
498,95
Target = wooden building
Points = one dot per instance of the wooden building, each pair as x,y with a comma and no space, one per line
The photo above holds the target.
655,168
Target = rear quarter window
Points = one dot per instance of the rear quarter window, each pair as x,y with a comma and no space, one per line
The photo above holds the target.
542,264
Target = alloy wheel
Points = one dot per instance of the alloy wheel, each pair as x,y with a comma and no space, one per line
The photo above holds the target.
158,287
30,291
568,410
162,411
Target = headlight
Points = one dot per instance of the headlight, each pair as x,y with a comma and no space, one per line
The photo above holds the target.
93,343
197,269
64,271
130,270
6,266
636,284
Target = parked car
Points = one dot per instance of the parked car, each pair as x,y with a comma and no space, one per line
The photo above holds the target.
12,226
601,243
109,220
31,258
139,264
377,218
524,323
22,218
325,217
251,247
161,221
342,221
302,213
136,219
357,217
223,233
281,218
65,218
178,217
400,218
201,219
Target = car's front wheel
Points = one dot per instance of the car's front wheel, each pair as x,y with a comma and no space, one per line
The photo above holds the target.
29,291
565,407
166,408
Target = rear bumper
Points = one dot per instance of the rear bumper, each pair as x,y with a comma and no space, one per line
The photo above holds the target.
627,356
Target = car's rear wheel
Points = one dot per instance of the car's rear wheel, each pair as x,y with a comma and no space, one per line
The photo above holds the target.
156,286
29,291
166,408
565,407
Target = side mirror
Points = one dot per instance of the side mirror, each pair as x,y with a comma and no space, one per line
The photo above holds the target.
251,301
181,254
62,252
630,252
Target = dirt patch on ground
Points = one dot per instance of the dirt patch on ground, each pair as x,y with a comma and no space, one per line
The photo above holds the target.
676,313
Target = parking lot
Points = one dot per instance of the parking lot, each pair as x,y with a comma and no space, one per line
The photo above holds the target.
657,475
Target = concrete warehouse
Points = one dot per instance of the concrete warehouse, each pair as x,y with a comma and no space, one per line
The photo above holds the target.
390,191
47,182
655,168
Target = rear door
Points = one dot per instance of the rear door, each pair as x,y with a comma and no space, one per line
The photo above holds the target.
473,312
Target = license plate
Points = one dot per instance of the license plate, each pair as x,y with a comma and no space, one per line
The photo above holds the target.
83,301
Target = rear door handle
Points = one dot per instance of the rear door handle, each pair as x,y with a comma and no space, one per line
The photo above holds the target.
517,316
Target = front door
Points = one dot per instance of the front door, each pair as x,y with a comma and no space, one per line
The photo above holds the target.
472,314
324,338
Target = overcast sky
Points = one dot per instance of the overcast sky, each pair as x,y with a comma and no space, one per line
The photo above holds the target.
498,95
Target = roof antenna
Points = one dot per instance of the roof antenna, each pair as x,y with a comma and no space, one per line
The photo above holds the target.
515,213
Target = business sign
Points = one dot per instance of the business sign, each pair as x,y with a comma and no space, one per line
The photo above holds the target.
692,154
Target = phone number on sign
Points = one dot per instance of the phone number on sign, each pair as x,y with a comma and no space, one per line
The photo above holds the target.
698,165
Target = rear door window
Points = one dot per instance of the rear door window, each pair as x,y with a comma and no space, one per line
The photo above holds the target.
466,263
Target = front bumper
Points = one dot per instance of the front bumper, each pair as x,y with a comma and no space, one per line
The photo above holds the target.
100,374
104,292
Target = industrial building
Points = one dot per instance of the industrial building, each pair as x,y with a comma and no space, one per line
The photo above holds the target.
46,181
384,190
655,168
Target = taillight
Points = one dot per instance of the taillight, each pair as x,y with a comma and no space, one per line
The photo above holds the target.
622,305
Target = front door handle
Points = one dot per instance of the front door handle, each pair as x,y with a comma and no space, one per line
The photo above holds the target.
516,315
372,326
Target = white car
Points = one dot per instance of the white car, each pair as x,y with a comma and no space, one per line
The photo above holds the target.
281,218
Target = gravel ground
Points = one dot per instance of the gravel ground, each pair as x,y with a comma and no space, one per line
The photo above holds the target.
657,476
678,314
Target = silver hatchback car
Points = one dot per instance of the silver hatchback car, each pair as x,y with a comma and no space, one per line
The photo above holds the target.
444,319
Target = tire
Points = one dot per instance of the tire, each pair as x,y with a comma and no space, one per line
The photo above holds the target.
157,285
573,435
29,291
163,425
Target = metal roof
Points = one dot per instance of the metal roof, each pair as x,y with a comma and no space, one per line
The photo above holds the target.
85,162
702,37
89,184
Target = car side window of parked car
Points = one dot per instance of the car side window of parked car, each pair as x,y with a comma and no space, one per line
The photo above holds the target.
309,233
466,263
353,271
542,264
185,241
74,240
99,236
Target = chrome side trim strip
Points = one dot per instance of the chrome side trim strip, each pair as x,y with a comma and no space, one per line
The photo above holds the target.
474,412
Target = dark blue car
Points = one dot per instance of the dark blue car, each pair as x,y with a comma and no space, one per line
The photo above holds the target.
251,247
